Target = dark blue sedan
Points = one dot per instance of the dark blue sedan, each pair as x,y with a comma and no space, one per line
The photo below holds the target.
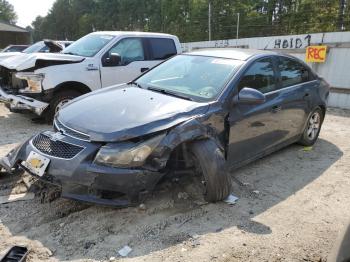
207,111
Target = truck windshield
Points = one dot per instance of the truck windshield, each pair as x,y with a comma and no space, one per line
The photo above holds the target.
199,78
34,47
88,46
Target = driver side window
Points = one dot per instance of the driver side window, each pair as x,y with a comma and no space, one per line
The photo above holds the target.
129,49
259,76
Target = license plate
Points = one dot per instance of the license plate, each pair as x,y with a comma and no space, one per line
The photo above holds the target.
36,163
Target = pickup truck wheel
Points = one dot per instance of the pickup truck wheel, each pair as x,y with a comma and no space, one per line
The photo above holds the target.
313,128
210,161
58,101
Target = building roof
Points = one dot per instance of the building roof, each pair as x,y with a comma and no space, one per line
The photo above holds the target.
11,28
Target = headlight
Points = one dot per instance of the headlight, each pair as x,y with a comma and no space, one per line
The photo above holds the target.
127,154
34,82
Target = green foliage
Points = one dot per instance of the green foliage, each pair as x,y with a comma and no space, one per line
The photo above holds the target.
7,13
188,19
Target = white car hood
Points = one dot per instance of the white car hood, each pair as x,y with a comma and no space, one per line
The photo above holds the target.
26,61
6,55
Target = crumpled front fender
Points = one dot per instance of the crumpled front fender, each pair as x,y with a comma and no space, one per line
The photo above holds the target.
190,130
9,162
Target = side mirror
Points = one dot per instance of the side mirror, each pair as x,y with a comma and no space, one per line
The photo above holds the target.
113,59
249,96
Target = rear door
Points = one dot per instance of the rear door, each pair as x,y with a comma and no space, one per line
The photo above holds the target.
133,62
256,128
295,86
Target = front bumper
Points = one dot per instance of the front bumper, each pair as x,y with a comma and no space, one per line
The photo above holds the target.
19,102
81,179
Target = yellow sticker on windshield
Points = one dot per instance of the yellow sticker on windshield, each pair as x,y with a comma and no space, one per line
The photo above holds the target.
223,62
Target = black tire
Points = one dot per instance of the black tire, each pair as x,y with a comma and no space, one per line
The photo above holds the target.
305,139
57,99
212,165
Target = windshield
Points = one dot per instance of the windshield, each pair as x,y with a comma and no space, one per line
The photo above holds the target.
89,45
34,48
197,77
12,49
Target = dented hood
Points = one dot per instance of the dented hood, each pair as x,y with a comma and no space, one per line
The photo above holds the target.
38,60
121,113
6,55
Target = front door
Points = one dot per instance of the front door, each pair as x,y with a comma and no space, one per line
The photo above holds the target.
255,128
132,64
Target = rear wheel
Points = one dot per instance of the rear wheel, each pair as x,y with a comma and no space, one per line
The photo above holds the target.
210,162
313,128
59,100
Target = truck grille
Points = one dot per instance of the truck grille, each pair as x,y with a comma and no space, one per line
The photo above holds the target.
5,77
58,149
9,81
70,132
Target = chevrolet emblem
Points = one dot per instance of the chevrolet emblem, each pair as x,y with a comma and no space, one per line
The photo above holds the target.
54,136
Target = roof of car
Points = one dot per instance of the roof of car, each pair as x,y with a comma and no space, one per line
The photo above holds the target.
231,53
117,33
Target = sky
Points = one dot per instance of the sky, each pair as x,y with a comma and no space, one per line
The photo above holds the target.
28,10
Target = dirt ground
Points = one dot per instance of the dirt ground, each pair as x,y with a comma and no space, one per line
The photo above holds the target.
291,207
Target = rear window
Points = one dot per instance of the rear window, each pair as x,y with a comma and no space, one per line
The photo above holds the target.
162,48
293,72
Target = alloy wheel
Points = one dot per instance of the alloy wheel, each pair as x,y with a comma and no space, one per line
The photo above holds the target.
313,126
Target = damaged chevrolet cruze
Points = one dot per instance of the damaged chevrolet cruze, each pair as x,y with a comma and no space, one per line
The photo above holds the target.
207,111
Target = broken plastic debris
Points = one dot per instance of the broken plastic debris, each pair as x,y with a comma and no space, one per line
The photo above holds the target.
307,148
194,236
124,251
16,197
142,207
182,195
231,199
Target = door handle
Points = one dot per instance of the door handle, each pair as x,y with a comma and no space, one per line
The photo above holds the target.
276,109
144,69
306,95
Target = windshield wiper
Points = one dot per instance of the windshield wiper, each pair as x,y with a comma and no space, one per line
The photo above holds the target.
168,92
135,84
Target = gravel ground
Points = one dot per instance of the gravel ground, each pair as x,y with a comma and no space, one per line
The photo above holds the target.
291,207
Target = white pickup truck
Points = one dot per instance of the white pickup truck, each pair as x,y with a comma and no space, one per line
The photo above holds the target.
44,82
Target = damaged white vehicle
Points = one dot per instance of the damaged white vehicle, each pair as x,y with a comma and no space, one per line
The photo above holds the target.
43,83
45,46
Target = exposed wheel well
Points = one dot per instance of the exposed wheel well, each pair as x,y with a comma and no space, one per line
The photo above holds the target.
81,88
323,108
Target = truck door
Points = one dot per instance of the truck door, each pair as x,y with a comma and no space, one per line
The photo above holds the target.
133,62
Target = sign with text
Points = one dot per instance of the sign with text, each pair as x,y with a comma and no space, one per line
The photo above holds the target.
316,54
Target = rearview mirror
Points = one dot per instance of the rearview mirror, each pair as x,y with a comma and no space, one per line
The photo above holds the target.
113,59
249,96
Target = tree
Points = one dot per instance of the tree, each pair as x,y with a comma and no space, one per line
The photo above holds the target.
188,19
7,12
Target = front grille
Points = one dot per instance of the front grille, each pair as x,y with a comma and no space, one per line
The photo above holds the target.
5,77
8,80
70,132
58,149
